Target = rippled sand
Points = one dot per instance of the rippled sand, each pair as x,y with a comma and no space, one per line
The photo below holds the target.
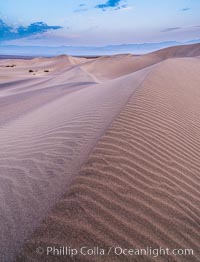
100,157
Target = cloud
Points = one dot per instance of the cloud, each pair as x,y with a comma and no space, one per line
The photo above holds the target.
169,29
185,9
5,30
124,8
80,10
109,4
9,32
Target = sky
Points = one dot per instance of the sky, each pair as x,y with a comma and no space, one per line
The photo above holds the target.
97,22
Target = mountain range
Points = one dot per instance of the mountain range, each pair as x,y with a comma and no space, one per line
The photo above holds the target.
89,50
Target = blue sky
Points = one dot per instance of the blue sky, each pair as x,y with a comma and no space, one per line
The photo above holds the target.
97,22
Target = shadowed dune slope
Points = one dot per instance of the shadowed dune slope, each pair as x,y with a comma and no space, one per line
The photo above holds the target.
110,67
140,187
46,134
178,51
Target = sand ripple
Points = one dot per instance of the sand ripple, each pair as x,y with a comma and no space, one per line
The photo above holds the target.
140,187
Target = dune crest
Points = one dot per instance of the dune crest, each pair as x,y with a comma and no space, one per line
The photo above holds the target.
45,140
110,67
100,152
140,186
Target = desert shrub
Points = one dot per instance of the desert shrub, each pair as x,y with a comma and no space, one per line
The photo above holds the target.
10,65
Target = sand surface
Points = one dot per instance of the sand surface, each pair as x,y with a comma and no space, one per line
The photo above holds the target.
88,158
48,127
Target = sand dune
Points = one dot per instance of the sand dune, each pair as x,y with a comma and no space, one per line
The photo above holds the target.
18,69
46,133
102,157
178,51
110,67
140,186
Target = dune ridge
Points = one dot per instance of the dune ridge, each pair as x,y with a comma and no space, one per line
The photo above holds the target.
140,186
110,67
44,140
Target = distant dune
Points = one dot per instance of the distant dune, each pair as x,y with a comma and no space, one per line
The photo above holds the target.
107,67
101,152
179,51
